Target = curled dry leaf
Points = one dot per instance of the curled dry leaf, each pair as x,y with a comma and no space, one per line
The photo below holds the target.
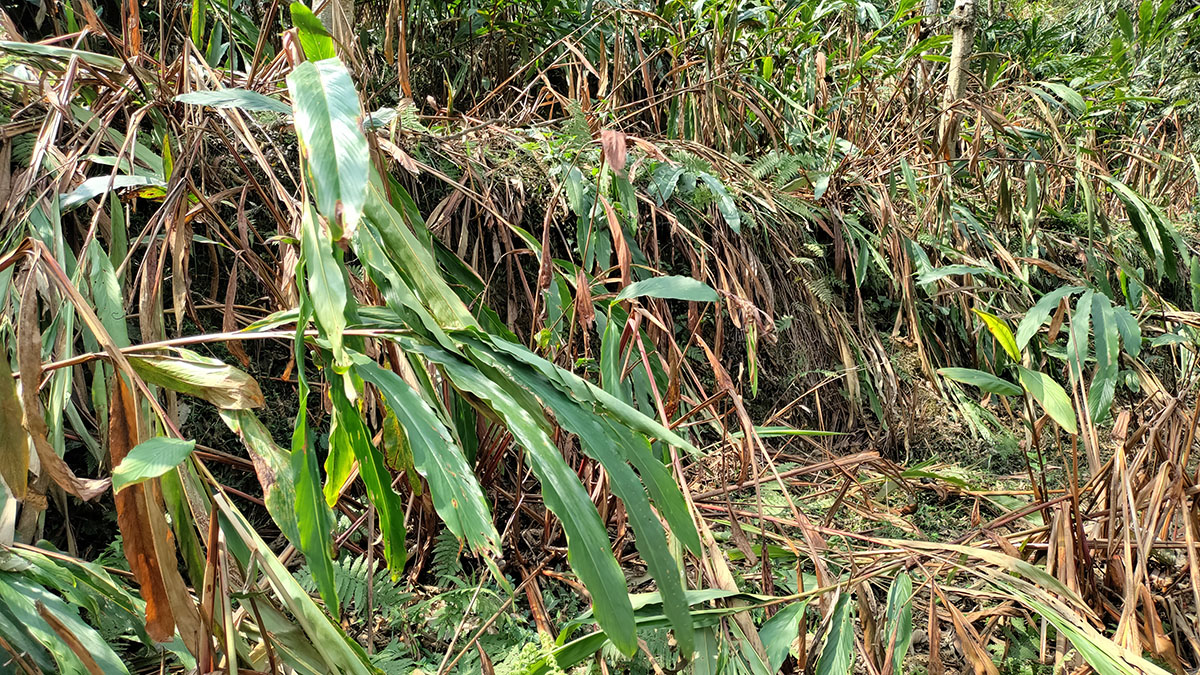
613,145
624,258
14,442
583,301
29,361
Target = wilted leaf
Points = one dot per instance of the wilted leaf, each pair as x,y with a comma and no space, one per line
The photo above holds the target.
613,145
133,519
29,362
190,373
14,441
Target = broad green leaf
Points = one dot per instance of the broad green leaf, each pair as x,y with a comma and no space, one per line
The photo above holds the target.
190,373
780,631
241,99
899,620
1040,313
1107,336
1131,332
1168,339
314,38
669,288
457,496
326,286
326,113
725,202
106,294
984,380
151,459
1052,397
837,654
1077,342
1002,333
937,274
663,181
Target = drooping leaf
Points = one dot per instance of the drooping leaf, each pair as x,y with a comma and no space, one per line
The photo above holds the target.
242,99
339,653
210,379
1073,100
326,111
94,187
587,541
669,288
984,380
272,466
1051,396
64,53
149,459
314,518
613,446
457,496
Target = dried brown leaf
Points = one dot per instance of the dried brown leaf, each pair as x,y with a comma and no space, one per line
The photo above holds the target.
613,145
14,442
29,362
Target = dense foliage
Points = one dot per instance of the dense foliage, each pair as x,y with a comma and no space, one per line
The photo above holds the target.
398,336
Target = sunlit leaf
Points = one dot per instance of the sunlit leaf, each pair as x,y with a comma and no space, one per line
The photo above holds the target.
1052,396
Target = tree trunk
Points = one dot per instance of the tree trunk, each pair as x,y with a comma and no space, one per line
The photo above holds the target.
962,21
